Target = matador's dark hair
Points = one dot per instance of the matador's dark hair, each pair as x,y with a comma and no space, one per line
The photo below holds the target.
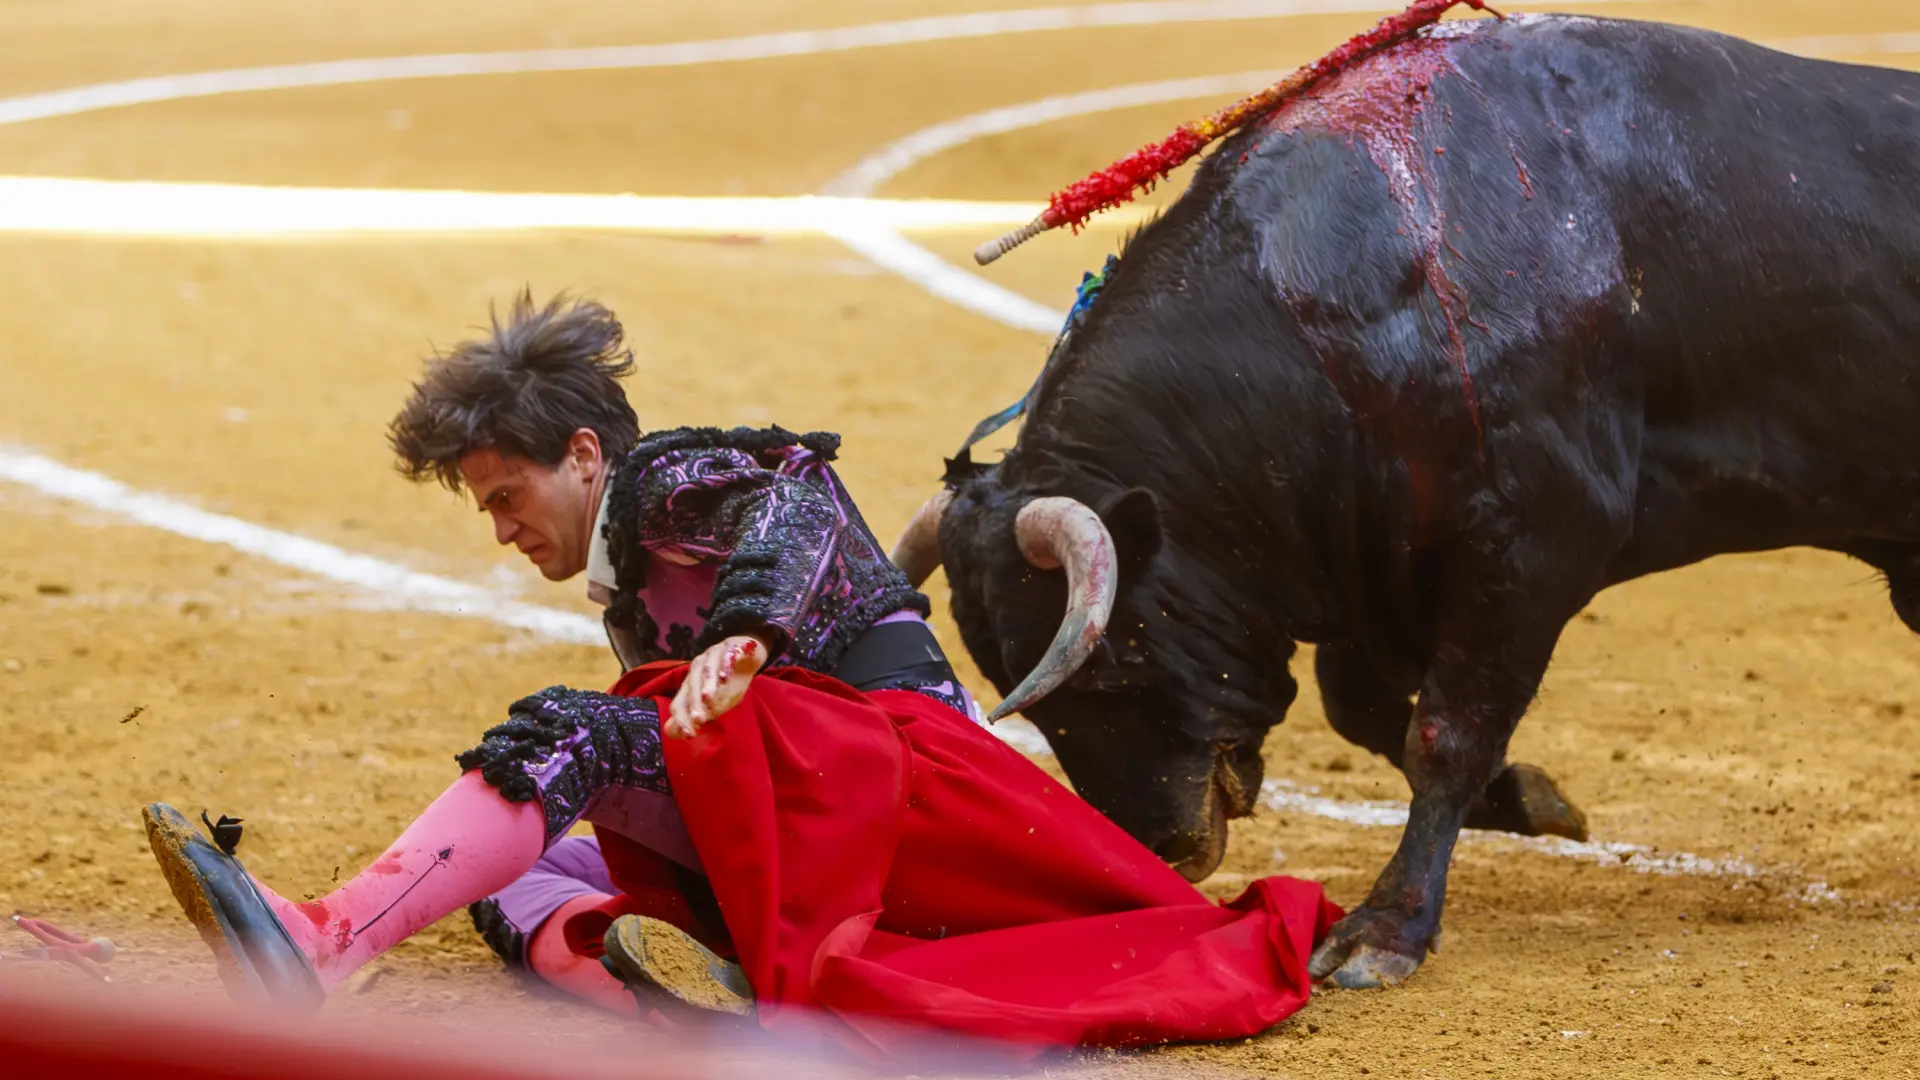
521,389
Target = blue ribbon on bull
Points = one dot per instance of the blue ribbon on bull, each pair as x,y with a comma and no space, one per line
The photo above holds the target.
961,465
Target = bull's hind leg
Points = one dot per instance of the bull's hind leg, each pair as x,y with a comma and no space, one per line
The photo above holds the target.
1371,709
1502,607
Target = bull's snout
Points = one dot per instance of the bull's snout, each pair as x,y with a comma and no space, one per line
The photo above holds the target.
1196,852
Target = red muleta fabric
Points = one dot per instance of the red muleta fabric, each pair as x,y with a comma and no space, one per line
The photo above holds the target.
884,861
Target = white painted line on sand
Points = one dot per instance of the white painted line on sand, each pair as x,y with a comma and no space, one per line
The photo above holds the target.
887,248
974,292
1288,796
866,175
393,585
39,204
986,24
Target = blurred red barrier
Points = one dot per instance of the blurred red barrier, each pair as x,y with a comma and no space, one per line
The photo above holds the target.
65,1030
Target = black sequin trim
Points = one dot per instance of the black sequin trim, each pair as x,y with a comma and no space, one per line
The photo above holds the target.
621,746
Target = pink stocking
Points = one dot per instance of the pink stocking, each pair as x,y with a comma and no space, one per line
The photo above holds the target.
550,958
469,843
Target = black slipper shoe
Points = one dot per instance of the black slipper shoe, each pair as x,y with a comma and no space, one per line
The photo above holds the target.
257,958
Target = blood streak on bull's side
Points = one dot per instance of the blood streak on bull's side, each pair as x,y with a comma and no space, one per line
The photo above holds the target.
1381,107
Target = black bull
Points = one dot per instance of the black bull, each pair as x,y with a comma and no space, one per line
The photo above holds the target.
1418,365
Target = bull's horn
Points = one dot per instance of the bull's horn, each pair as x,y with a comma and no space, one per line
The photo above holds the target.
917,552
1056,532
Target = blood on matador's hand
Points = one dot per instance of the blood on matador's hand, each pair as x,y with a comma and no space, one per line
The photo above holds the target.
716,681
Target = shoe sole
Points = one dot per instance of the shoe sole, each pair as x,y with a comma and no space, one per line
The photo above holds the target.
170,834
680,972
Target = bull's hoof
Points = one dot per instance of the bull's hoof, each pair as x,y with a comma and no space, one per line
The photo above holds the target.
1368,968
1366,950
1523,799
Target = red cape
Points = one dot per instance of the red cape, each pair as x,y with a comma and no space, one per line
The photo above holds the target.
884,860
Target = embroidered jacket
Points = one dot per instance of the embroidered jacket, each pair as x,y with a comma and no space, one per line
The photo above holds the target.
788,550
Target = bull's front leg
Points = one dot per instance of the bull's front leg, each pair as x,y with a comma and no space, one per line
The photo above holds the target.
1482,677
1372,708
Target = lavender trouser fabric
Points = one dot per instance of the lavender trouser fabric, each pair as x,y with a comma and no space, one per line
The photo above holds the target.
571,868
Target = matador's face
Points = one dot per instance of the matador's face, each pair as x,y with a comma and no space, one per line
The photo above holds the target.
546,512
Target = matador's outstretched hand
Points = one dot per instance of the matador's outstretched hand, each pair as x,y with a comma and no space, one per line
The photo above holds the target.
716,681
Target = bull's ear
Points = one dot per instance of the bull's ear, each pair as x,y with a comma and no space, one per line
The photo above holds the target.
1133,519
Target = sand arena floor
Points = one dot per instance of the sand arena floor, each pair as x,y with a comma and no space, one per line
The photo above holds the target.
1764,709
